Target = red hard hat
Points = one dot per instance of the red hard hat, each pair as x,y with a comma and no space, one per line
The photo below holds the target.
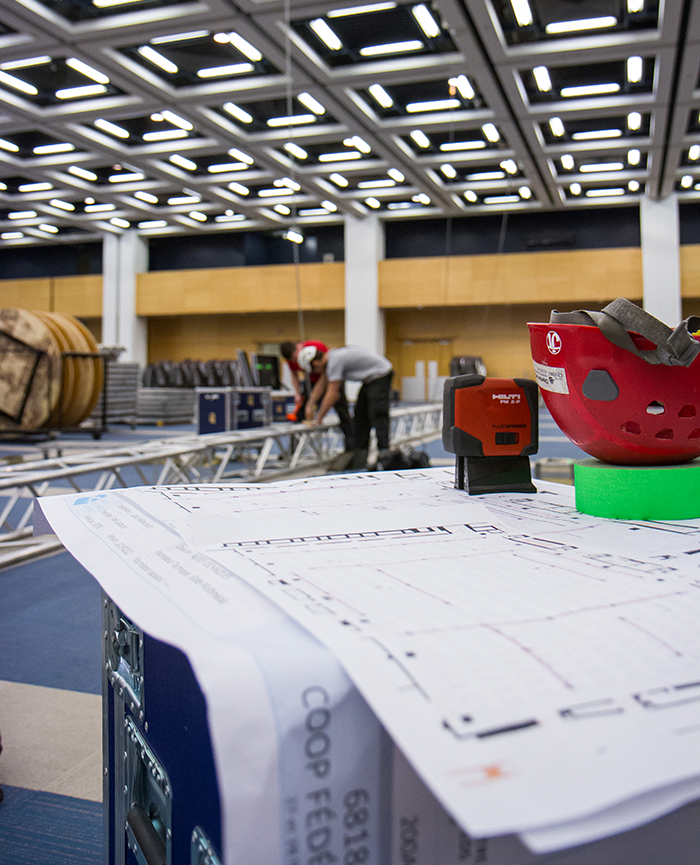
622,397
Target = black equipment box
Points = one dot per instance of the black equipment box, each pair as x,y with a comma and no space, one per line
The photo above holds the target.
220,409
282,405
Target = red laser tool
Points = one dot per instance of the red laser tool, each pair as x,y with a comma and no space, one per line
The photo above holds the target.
491,426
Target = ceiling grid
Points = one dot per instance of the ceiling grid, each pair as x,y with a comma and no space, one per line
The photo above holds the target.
190,116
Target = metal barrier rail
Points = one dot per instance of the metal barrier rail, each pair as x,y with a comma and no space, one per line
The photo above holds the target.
255,455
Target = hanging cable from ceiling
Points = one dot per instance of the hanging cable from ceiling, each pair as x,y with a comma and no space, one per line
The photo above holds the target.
290,95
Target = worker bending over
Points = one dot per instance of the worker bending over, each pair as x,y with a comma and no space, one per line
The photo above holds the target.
351,363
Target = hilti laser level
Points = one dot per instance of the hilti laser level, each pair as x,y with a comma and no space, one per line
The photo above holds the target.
491,426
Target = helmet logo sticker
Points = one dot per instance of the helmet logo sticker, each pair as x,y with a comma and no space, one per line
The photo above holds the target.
553,342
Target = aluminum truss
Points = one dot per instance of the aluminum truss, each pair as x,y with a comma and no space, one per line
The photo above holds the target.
257,455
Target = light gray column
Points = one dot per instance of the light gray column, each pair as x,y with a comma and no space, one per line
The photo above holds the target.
123,258
364,249
661,267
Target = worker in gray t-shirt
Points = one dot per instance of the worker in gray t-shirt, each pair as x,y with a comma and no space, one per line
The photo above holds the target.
352,363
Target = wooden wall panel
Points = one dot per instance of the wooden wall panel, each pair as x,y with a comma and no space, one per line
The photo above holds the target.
78,295
498,334
241,289
26,293
690,271
533,277
212,337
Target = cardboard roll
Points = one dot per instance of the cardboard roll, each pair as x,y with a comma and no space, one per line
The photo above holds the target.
41,385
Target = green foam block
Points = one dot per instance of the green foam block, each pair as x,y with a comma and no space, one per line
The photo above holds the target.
638,492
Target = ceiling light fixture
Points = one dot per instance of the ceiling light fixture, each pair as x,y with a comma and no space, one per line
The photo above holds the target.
164,135
237,112
502,199
509,165
329,205
180,37
432,105
146,196
449,171
522,12
421,198
313,211
18,84
542,79
61,205
295,150
686,181
81,92
567,161
35,187
198,215
246,49
27,61
380,96
176,120
634,6
99,208
288,182
398,205
391,48
11,235
357,142
634,156
599,23
22,214
339,180
82,172
449,146
525,192
310,102
111,128
471,196
596,167
486,175
87,71
58,147
223,167
275,193
282,209
491,132
461,83
360,10
8,145
240,155
420,138
325,34
556,126
50,229
222,71
633,186
575,189
634,120
182,162
592,134
238,188
589,90
291,120
635,69
396,175
127,177
604,193
153,223
374,203
184,199
425,20
694,152
376,184
294,236
157,59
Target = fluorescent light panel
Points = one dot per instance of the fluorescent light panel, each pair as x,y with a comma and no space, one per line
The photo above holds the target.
391,48
599,23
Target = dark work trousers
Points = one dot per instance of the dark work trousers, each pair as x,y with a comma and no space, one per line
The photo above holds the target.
342,410
372,410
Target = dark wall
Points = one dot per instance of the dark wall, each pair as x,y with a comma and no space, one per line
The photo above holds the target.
597,228
238,249
45,261
689,218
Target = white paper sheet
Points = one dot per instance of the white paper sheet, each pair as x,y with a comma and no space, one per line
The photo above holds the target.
532,678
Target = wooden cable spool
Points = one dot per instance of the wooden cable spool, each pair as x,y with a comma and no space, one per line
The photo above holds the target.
41,384
30,370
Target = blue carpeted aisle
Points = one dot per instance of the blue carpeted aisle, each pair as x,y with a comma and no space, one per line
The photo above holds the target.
50,636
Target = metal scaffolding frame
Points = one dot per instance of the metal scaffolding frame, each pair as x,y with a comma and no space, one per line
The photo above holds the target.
244,456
